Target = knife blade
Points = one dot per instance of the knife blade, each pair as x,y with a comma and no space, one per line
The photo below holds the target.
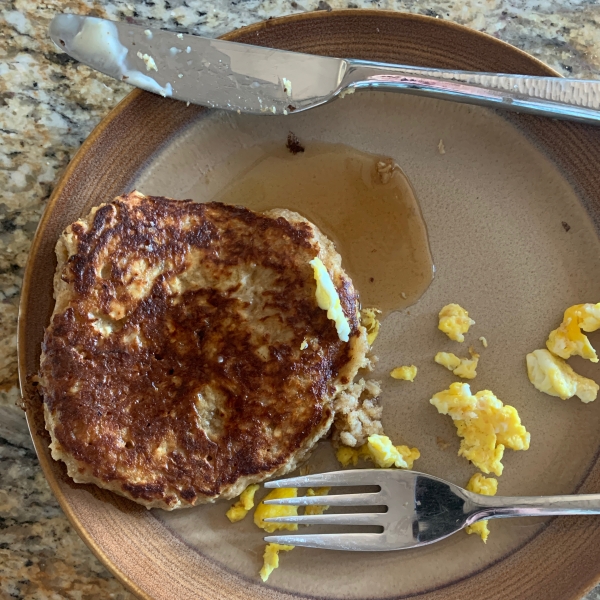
199,70
258,80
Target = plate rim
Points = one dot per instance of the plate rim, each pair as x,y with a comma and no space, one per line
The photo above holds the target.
83,150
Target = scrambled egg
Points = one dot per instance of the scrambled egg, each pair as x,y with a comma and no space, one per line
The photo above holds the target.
329,300
488,486
371,323
552,375
455,322
483,341
266,511
246,502
381,451
271,559
568,339
406,373
486,425
316,509
461,367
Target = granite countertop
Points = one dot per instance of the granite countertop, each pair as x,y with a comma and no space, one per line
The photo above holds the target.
48,105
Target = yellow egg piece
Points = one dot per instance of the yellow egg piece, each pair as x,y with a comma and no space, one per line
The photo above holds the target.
271,559
381,451
568,340
316,509
455,322
246,503
405,373
461,367
329,300
347,456
484,423
266,511
552,375
371,323
488,486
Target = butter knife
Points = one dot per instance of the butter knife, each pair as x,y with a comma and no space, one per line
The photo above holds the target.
258,80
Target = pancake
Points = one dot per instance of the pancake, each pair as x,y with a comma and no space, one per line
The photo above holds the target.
172,371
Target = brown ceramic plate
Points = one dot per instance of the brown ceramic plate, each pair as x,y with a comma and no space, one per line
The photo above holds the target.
494,204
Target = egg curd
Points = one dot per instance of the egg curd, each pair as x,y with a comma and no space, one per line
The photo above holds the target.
246,503
316,509
455,322
405,373
370,322
485,425
265,511
488,486
568,340
329,300
461,367
552,375
380,450
271,558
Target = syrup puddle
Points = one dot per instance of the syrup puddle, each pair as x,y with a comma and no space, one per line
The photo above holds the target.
363,202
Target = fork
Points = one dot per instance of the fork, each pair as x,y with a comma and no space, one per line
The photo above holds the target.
421,509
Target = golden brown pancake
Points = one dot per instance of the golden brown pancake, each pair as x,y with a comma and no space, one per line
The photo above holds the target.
172,370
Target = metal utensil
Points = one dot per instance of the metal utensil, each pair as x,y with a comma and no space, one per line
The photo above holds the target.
257,80
421,509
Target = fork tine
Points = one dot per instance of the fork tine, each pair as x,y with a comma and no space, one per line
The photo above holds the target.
333,541
343,519
336,500
352,477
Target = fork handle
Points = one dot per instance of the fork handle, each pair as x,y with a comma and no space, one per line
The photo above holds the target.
572,99
498,507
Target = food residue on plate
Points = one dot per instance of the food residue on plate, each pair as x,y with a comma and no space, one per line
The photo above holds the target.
484,423
293,143
461,367
406,373
488,486
454,322
483,341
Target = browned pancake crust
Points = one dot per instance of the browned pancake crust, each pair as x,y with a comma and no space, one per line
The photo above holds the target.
127,412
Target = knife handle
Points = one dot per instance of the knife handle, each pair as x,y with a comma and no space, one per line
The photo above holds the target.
572,99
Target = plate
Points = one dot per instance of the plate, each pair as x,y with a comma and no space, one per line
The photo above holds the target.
494,204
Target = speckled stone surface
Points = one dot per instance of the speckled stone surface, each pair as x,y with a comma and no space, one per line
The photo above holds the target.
48,105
